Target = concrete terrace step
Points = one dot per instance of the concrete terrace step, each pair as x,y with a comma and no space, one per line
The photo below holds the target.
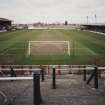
70,91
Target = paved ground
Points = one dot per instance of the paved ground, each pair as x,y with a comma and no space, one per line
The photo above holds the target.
71,90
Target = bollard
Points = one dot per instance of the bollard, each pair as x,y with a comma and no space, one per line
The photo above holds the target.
36,89
42,75
54,78
96,78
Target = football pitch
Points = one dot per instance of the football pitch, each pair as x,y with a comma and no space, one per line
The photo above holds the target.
85,47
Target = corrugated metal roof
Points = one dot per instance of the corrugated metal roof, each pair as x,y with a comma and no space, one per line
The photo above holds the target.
4,19
94,24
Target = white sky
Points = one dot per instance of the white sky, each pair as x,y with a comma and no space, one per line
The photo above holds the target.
74,11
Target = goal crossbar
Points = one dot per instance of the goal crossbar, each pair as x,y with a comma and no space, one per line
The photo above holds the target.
49,41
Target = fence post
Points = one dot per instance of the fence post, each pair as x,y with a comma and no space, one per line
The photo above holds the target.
48,70
59,71
12,72
54,78
36,89
84,72
96,78
42,74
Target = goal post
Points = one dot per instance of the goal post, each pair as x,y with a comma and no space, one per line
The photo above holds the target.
36,45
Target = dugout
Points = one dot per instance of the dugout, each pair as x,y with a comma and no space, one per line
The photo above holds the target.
5,24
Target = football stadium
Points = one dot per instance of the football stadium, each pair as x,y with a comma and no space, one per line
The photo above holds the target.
52,52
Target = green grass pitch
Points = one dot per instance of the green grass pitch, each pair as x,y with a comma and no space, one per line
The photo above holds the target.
85,48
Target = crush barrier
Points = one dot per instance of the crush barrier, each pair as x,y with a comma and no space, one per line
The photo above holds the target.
37,98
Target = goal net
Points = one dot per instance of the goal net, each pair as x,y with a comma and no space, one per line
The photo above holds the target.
49,48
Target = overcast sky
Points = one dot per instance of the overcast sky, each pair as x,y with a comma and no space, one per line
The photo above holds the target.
74,11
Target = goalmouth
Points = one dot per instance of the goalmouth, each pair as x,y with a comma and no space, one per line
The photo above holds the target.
48,48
